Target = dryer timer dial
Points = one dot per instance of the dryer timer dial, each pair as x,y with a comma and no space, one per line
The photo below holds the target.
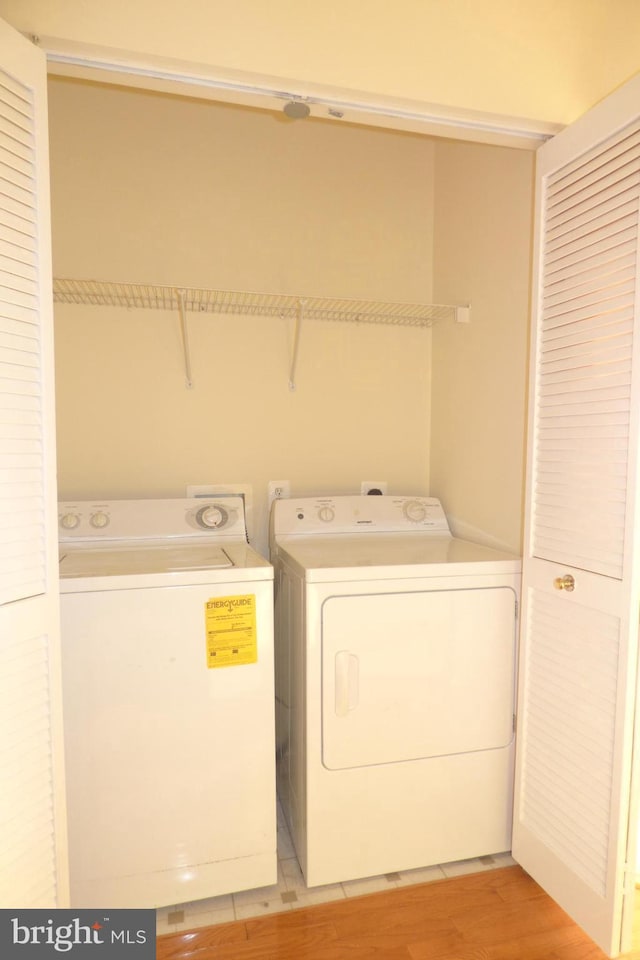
326,514
415,510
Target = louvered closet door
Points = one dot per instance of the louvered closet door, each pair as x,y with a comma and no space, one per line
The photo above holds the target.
33,856
579,646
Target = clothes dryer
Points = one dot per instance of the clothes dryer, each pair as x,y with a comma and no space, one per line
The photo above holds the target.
395,685
167,664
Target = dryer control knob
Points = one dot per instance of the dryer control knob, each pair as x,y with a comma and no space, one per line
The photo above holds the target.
414,510
99,520
212,517
69,521
326,514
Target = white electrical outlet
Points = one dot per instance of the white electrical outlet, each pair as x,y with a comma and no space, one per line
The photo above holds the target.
371,486
278,490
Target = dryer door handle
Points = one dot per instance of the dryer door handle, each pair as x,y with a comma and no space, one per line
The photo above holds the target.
347,677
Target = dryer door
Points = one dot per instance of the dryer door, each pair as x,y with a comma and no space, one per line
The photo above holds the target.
416,675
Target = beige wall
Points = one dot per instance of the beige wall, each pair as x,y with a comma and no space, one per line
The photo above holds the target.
483,216
542,59
172,191
166,190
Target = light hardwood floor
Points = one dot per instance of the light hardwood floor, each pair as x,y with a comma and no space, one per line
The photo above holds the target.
496,915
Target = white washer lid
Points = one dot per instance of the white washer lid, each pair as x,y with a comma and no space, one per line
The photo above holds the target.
122,561
245,566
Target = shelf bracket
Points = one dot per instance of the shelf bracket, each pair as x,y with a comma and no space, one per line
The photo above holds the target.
184,332
463,314
296,342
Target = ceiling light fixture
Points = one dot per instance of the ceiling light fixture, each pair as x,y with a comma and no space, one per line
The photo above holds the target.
296,110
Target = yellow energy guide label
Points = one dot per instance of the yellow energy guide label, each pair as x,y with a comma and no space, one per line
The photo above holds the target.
230,624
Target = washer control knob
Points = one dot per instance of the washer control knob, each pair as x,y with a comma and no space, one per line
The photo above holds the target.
326,514
212,517
414,510
99,520
69,521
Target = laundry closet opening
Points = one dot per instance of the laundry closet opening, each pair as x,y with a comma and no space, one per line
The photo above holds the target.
170,190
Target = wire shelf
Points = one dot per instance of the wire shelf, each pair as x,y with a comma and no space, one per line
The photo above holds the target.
197,300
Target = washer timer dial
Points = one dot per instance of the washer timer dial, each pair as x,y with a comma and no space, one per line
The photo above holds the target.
414,510
326,514
69,521
212,517
99,520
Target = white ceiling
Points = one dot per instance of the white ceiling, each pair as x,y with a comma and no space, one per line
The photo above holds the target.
499,70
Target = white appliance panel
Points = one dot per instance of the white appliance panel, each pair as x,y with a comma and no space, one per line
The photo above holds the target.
155,737
354,515
112,569
405,676
93,522
124,561
323,559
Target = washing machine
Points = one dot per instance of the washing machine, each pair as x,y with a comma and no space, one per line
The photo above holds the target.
395,685
168,701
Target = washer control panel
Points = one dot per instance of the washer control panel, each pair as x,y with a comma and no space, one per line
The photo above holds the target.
357,514
89,520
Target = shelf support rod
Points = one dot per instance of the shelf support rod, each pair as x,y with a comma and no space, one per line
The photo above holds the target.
296,343
184,332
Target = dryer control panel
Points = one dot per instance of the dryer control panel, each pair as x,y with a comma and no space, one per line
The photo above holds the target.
312,516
